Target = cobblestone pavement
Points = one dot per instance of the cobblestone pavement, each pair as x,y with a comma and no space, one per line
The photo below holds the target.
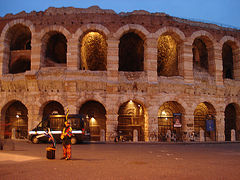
123,161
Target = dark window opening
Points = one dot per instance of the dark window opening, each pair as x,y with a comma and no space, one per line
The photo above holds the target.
227,57
56,51
131,53
230,121
200,55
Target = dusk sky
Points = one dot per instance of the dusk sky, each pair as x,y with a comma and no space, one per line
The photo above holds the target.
225,12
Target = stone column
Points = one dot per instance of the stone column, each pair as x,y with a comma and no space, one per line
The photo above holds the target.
73,59
150,59
236,64
233,135
36,53
112,59
186,62
187,125
135,135
220,126
111,127
217,67
202,136
151,133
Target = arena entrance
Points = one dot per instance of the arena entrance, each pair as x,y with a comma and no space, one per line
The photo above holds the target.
231,118
204,119
16,121
170,117
95,113
130,119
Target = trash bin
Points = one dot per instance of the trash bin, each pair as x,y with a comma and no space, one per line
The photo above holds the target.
50,152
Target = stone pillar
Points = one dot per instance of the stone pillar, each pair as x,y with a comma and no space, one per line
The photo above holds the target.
186,62
202,135
36,53
111,127
73,59
112,59
233,135
102,135
220,125
168,136
150,59
217,66
135,135
4,56
13,133
151,131
187,125
236,64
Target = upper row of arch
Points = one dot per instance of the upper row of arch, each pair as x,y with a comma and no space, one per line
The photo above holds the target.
139,29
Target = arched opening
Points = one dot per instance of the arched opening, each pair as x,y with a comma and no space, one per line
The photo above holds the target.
167,56
200,55
95,113
227,57
131,116
232,121
53,107
93,52
131,53
170,120
16,121
55,49
19,39
204,120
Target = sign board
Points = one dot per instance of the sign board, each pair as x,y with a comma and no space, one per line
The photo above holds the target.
177,119
210,123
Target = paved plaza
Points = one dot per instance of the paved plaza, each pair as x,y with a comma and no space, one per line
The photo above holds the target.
123,161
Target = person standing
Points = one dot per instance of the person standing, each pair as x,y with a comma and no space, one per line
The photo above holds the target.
66,137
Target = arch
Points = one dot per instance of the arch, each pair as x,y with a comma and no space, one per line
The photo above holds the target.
170,119
93,51
91,27
230,48
232,121
15,120
132,116
175,32
51,107
16,37
203,52
169,47
138,29
204,119
131,52
54,42
95,113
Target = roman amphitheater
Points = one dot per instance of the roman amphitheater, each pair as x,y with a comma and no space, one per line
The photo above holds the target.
149,76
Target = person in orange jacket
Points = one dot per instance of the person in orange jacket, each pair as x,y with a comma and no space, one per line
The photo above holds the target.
66,137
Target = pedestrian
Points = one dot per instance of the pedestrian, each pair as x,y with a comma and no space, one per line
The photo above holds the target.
66,137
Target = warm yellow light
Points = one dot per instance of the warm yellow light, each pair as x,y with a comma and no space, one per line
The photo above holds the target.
164,113
130,101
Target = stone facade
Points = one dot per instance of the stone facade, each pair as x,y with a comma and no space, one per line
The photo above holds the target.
72,87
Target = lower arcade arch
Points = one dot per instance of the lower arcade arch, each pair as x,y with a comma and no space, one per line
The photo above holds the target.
170,119
53,107
15,120
232,121
205,122
95,114
131,118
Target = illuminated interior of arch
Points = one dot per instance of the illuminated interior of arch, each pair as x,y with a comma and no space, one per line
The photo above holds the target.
93,52
167,56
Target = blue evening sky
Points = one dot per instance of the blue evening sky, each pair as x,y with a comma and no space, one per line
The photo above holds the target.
226,12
